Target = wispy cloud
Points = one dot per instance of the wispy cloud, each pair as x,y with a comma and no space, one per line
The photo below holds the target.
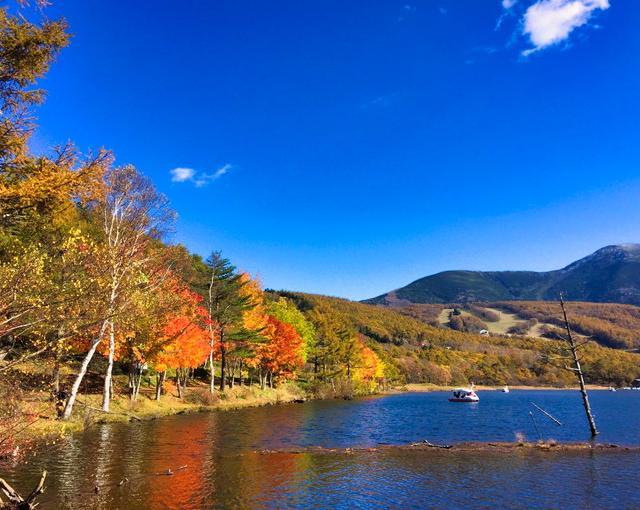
199,179
507,5
549,22
182,174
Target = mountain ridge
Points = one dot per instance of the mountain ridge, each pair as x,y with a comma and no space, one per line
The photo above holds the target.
608,275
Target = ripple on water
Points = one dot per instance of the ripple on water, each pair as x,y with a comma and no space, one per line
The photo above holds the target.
224,472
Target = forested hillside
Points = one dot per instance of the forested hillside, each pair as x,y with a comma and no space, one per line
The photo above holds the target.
414,351
612,325
609,275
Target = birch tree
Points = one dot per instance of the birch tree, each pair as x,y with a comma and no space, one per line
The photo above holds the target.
132,214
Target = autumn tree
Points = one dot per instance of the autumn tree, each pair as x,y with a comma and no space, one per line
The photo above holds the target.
368,374
185,343
26,52
281,354
38,195
286,311
131,215
324,352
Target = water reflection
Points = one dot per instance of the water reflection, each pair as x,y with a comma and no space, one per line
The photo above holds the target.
222,469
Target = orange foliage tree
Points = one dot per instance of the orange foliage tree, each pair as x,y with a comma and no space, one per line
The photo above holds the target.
185,341
281,354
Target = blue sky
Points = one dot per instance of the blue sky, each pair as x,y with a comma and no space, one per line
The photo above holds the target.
349,148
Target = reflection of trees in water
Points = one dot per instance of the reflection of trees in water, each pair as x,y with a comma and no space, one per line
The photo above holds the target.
189,441
264,427
271,480
224,471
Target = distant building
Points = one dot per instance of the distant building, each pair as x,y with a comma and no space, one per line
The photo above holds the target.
636,383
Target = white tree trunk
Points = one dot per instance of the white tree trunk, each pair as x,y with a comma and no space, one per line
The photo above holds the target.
68,409
106,393
213,385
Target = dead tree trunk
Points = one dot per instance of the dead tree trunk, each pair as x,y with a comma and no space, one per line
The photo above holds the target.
17,502
577,369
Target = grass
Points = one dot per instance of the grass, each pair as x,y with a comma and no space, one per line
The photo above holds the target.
507,320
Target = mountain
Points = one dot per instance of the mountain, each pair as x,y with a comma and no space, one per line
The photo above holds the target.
611,274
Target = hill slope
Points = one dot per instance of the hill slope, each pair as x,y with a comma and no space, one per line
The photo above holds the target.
611,274
414,351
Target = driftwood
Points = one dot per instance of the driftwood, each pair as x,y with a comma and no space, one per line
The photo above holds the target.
17,502
431,445
558,422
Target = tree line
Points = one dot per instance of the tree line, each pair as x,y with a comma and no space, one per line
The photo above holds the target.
86,270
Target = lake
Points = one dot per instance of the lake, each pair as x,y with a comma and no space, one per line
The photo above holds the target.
226,466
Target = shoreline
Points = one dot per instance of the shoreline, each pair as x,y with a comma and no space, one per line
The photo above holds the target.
48,429
426,388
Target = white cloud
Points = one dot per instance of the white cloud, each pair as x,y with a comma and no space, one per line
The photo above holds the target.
548,22
508,4
182,174
221,171
199,179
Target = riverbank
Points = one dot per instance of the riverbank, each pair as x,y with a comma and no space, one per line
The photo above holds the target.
425,387
40,424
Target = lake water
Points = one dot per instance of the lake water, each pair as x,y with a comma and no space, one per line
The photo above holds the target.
226,467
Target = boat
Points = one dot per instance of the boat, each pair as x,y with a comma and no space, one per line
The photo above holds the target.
464,395
611,388
505,389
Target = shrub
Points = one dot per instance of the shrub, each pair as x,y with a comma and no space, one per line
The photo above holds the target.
201,396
